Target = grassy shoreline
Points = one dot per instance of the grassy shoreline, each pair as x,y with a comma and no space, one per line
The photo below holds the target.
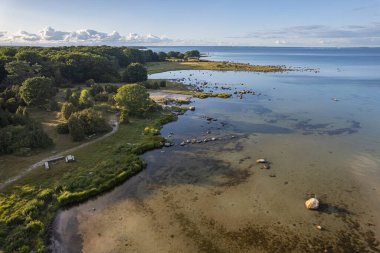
158,67
28,206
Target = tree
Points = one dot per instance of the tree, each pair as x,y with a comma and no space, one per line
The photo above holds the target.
76,128
67,109
134,98
3,72
135,72
192,53
19,71
85,99
162,56
87,122
36,90
123,117
96,89
29,56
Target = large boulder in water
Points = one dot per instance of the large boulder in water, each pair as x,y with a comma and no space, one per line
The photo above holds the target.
312,204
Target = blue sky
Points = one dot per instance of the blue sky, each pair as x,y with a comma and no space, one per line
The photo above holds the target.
195,22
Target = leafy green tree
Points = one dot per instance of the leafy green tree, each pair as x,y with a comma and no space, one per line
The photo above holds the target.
87,122
29,56
134,98
162,56
63,128
85,99
192,53
68,93
8,51
134,55
96,89
19,71
74,98
90,82
3,72
67,109
11,105
76,128
36,90
124,119
135,72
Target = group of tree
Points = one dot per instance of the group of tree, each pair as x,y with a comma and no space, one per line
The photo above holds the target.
69,64
31,76
80,118
179,55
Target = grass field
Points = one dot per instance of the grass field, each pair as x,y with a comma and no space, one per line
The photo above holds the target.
158,67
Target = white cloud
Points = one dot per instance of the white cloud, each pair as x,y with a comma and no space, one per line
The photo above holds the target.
25,36
83,37
50,33
353,35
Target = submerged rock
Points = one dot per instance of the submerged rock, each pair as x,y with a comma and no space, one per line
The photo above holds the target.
261,161
312,204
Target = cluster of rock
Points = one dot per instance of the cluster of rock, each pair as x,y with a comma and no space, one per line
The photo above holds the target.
193,141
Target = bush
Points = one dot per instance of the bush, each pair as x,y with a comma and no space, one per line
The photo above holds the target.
134,98
67,109
90,82
95,89
12,105
135,72
87,122
151,131
85,99
110,88
63,128
52,105
76,128
162,83
35,90
124,119
101,97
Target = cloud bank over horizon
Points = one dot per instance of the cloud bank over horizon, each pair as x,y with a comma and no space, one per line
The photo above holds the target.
306,35
351,35
50,36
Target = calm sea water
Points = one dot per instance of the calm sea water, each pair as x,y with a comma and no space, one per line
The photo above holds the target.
320,131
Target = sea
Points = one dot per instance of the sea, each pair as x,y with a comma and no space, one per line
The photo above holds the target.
318,127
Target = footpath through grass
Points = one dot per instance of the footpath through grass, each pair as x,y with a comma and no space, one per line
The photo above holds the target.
28,206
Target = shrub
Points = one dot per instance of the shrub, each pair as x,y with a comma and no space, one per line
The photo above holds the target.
63,128
67,109
85,100
151,131
90,82
134,98
87,122
135,72
124,119
35,90
101,97
76,128
162,83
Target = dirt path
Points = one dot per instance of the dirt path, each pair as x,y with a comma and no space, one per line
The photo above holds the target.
115,126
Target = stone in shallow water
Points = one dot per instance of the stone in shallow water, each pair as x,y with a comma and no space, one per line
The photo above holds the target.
312,204
261,161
